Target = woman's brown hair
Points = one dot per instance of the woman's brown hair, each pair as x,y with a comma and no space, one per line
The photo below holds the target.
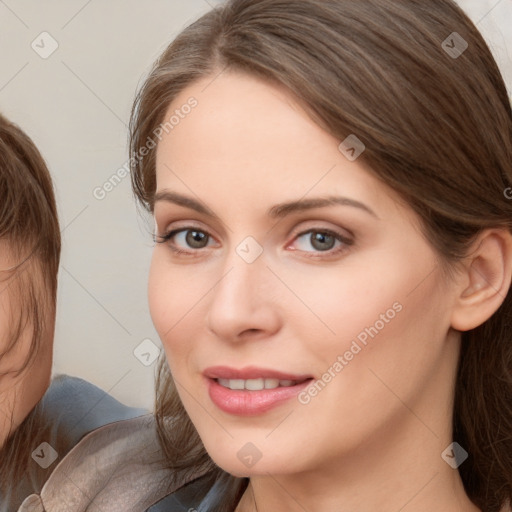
437,126
29,232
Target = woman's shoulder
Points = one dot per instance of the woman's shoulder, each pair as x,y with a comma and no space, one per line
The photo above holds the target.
70,409
118,467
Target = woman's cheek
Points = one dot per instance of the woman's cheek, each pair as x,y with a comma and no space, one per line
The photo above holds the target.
164,290
171,304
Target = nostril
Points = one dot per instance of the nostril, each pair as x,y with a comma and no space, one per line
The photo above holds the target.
251,332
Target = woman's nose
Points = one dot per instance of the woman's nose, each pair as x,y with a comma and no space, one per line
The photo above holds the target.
245,301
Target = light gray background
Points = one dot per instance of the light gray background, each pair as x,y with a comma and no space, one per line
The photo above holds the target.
75,105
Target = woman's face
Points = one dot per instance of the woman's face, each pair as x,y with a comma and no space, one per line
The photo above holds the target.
19,392
288,264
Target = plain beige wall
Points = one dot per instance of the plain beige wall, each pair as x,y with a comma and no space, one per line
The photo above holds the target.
75,104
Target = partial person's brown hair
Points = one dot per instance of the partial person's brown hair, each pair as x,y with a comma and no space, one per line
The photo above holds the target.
437,129
30,234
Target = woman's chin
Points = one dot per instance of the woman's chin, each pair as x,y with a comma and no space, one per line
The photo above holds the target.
249,461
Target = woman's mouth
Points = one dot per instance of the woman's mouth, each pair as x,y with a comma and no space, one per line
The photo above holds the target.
244,393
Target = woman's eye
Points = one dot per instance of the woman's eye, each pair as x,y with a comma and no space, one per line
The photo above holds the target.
322,241
186,239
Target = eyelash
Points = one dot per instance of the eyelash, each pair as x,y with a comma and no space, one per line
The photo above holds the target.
331,252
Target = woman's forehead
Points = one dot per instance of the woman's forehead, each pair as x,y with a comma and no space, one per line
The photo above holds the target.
244,129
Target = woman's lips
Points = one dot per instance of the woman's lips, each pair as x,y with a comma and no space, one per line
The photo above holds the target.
251,391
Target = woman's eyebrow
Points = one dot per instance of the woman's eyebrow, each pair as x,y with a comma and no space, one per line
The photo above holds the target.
169,196
283,209
277,211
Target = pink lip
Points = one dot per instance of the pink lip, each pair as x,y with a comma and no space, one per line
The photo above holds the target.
250,403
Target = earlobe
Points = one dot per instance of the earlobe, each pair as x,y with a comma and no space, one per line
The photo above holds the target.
485,282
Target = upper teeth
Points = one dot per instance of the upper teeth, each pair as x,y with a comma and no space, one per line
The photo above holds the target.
255,384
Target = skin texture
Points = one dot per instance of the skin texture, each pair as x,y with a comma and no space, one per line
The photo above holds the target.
19,392
372,438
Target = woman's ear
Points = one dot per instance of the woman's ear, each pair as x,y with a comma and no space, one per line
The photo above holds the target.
485,279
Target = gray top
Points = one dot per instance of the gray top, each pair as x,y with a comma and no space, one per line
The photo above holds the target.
116,468
101,456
